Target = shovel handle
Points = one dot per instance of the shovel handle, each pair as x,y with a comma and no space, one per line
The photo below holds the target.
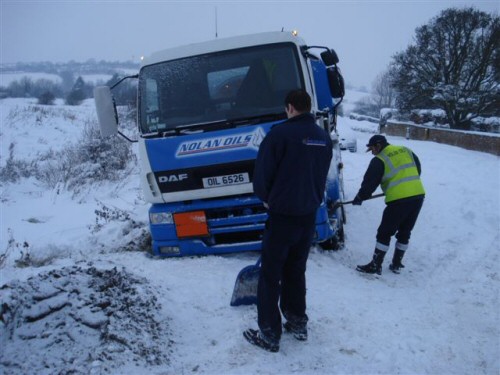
338,204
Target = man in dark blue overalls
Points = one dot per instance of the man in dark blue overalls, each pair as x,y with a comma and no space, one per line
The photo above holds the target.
290,178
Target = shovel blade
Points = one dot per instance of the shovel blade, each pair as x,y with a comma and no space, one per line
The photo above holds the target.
245,287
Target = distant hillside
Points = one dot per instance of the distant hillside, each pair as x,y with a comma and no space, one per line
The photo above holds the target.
47,80
90,66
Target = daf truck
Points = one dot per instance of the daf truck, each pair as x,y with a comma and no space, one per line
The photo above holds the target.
202,111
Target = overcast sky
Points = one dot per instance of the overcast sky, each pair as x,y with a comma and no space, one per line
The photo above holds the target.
365,34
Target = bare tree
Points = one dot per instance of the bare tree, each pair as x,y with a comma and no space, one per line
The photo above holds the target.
21,88
46,98
68,80
454,65
384,95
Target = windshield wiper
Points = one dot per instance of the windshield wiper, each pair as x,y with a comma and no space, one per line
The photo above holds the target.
233,122
217,125
259,118
163,134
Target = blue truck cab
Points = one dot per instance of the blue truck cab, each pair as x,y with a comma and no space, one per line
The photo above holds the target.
203,110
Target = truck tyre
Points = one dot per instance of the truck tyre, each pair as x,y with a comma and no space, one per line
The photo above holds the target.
336,242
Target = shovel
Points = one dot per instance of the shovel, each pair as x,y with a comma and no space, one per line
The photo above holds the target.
338,204
245,287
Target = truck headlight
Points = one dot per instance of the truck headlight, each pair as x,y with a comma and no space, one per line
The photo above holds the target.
161,218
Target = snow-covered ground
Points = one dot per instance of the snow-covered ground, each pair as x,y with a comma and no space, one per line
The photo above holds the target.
76,297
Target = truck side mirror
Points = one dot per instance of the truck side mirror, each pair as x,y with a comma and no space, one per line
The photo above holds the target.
336,82
329,57
335,79
106,111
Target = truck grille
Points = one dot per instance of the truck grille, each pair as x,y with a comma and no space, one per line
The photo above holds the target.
235,225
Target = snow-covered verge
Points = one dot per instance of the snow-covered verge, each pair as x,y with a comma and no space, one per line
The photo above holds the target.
103,317
77,296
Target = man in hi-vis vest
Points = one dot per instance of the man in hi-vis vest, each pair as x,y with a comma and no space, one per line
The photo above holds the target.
397,170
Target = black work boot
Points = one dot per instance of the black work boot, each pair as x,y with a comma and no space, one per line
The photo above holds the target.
256,338
396,264
299,331
375,266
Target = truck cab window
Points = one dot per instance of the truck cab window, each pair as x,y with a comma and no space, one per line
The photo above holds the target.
151,106
211,88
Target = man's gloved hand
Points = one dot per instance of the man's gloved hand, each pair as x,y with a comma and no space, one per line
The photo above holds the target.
357,201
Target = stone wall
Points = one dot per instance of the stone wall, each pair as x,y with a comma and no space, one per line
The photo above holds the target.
471,141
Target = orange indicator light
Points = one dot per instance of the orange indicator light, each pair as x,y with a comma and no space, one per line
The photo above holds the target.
191,224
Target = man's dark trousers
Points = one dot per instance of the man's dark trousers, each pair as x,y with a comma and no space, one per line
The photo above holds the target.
285,248
399,217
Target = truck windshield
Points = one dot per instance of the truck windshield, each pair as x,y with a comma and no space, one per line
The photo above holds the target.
220,87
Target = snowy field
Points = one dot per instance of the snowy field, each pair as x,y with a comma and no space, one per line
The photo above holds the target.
76,295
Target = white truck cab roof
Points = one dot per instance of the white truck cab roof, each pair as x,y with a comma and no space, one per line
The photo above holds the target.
222,45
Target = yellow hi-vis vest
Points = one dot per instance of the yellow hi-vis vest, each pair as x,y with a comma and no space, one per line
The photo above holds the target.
401,179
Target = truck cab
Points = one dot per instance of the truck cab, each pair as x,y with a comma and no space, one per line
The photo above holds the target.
203,110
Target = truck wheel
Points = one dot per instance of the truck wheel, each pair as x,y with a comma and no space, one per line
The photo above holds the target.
344,217
336,242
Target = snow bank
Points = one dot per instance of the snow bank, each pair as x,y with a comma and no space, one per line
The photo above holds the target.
81,319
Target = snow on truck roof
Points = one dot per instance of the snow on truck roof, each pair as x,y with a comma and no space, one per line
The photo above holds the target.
222,45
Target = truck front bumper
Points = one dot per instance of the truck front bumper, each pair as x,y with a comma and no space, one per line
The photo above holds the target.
233,225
